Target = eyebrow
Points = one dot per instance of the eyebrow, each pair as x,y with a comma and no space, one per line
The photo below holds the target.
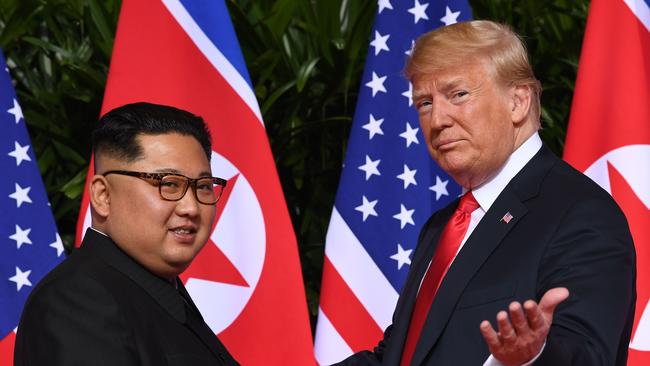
419,94
176,171
454,83
444,86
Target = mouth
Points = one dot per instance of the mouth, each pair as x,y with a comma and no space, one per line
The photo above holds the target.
184,234
446,144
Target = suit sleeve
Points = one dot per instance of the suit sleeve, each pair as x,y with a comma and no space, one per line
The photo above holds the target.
592,254
73,322
376,356
367,358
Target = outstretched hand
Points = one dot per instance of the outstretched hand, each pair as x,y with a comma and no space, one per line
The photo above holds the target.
521,336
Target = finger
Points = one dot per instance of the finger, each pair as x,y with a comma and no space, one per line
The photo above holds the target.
507,333
551,299
518,318
490,335
534,315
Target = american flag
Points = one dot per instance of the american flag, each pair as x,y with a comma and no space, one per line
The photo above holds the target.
389,187
29,243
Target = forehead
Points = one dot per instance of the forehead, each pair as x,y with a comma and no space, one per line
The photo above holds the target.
449,76
172,151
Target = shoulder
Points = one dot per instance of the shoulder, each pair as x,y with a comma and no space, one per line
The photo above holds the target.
577,191
73,283
75,308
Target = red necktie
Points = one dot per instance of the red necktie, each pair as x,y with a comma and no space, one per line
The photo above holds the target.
448,244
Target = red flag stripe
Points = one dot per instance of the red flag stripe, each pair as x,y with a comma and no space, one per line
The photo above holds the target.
349,317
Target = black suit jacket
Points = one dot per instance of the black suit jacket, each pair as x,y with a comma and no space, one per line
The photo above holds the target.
100,307
565,231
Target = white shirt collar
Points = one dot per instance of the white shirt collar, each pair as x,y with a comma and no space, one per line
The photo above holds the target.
97,231
487,193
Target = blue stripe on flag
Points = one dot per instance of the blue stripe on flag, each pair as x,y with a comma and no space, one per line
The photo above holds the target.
212,17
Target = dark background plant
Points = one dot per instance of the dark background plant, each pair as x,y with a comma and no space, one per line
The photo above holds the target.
305,59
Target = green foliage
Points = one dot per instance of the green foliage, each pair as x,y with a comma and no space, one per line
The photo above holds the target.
305,59
58,53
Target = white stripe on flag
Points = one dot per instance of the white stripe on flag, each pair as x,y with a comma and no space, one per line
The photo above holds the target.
330,346
359,271
641,10
212,53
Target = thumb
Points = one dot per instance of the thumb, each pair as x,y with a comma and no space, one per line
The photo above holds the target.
551,299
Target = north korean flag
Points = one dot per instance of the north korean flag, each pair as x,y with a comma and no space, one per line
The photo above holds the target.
609,130
247,280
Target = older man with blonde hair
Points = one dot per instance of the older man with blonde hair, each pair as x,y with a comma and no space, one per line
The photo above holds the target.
532,244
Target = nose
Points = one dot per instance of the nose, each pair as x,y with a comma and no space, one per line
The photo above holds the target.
438,117
188,205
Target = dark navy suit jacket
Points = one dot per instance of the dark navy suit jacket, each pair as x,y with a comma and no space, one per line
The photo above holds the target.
565,231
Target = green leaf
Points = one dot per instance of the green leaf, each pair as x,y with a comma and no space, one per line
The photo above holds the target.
305,72
75,186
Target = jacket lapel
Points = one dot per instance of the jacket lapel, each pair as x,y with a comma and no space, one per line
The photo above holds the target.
485,238
177,303
196,323
421,258
162,291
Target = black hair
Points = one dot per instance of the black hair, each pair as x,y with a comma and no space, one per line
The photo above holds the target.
118,129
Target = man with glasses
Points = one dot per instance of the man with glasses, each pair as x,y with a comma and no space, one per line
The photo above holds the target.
118,299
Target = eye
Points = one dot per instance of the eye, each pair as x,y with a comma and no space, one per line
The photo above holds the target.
422,105
168,183
172,182
204,185
459,94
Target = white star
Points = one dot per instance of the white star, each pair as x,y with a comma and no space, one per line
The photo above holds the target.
404,216
21,236
408,176
410,135
21,278
379,43
418,11
367,208
409,94
384,4
440,188
373,126
16,111
376,84
450,18
402,256
58,245
21,195
20,153
370,167
410,50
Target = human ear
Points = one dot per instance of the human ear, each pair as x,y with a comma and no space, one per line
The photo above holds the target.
100,195
520,103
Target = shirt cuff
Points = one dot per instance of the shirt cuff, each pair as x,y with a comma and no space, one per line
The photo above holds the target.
491,361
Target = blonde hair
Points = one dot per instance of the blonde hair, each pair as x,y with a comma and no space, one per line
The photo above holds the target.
459,43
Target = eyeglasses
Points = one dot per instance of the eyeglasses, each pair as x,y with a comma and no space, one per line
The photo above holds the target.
172,186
